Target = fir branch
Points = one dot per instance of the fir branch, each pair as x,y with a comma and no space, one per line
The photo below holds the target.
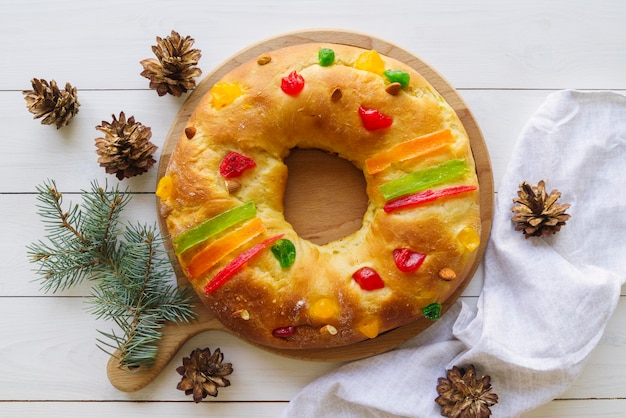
128,263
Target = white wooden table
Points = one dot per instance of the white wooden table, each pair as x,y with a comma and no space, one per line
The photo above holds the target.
503,57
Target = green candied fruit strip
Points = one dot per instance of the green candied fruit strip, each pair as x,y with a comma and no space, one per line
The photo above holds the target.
213,226
285,252
432,311
398,76
326,57
423,179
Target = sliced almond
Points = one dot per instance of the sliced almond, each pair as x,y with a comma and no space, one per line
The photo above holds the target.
446,273
190,132
242,313
328,329
394,89
336,94
232,185
264,59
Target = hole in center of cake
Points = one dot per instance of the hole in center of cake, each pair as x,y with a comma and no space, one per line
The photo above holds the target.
325,198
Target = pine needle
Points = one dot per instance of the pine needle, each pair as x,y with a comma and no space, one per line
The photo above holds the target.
128,265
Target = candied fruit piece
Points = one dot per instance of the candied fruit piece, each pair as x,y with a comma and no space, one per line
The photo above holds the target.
284,332
373,119
432,311
427,196
469,238
234,164
224,93
369,327
370,61
368,279
292,84
213,226
237,264
221,247
421,180
324,308
285,252
398,76
164,188
326,57
408,260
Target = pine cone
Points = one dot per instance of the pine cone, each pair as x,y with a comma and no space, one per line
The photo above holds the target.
462,395
175,69
536,212
203,373
125,150
57,107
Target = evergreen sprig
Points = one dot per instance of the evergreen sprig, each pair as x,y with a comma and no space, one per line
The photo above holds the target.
128,264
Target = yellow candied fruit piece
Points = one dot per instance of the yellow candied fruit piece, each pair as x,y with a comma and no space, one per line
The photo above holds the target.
164,188
324,308
369,327
224,93
370,61
469,238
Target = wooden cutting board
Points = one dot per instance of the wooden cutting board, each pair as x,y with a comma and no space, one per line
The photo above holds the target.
312,213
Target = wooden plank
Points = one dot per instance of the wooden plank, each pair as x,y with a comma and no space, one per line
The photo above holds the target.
478,44
582,408
186,409
606,408
52,356
58,336
68,155
22,226
39,152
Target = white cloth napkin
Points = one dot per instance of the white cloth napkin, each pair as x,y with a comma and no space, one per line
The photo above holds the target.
545,301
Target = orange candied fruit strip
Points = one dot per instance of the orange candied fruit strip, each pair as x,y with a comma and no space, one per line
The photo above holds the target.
221,247
224,93
412,148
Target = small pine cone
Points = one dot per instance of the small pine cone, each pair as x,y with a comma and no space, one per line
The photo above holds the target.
462,394
47,101
203,373
175,67
537,213
125,150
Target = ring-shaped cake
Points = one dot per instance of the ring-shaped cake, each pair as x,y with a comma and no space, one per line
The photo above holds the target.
221,198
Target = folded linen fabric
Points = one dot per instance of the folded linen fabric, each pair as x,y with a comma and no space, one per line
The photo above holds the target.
545,301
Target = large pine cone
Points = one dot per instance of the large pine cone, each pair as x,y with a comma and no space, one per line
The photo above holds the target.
47,101
537,213
175,67
125,150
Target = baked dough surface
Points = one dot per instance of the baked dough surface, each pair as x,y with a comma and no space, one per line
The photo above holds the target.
264,123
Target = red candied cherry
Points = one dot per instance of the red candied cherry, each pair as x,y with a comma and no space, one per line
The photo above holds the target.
234,164
284,332
373,119
368,279
408,260
292,84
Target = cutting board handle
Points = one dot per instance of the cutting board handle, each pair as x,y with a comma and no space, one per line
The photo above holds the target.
174,336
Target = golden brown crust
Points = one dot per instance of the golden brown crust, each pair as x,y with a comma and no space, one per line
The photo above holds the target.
264,124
